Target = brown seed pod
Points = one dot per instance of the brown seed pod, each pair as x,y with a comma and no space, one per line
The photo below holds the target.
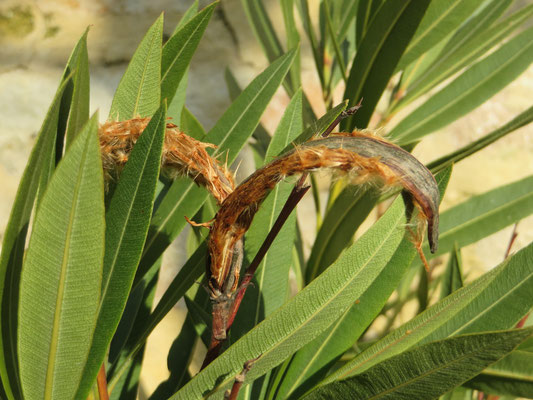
363,157
182,155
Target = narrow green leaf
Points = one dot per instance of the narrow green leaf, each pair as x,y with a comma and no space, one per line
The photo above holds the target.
78,65
187,16
261,136
366,13
271,280
307,314
428,371
139,92
191,125
125,383
472,88
230,134
378,54
465,47
127,220
13,245
293,40
262,28
485,214
62,273
511,376
442,17
309,30
317,128
459,393
179,49
517,122
452,278
346,214
186,277
336,46
496,300
313,361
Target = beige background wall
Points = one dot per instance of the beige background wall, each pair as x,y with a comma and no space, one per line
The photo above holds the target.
37,36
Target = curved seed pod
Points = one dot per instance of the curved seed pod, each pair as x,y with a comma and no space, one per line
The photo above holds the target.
362,156
182,155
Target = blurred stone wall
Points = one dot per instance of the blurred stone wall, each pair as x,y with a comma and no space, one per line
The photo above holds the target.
36,38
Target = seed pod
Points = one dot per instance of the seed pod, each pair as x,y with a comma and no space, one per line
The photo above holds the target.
182,155
365,158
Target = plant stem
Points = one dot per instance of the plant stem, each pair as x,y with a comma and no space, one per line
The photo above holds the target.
294,198
101,382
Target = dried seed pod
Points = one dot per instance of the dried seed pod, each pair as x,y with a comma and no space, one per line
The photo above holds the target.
182,155
364,157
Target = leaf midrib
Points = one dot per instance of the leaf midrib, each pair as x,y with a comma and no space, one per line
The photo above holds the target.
430,27
143,75
182,49
125,225
488,214
61,287
445,365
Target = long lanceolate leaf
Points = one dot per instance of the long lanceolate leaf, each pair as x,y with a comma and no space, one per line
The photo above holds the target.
428,371
62,273
523,119
476,85
139,93
13,244
471,42
377,56
442,18
312,362
127,218
497,300
510,376
308,313
178,51
78,65
485,214
230,134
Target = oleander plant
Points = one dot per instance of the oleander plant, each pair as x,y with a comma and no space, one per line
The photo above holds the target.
102,198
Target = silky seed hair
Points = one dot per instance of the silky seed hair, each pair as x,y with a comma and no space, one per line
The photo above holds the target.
182,155
364,158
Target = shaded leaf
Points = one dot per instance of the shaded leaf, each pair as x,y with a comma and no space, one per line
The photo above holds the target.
511,376
452,278
378,54
442,17
428,371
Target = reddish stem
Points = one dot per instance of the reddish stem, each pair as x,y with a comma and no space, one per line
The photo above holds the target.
101,382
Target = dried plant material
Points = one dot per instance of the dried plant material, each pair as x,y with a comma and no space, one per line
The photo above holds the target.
182,155
363,157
